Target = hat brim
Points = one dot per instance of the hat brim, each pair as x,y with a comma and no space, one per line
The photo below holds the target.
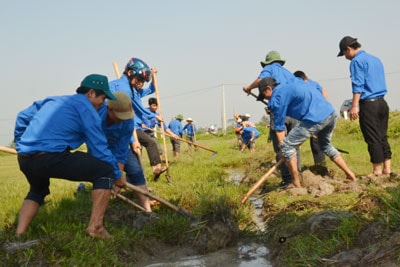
126,115
340,54
110,95
265,63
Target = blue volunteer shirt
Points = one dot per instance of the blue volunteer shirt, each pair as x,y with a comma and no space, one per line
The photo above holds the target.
122,85
118,135
60,123
190,129
247,133
176,127
149,122
299,100
367,76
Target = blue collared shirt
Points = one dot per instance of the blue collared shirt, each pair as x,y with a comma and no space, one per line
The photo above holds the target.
190,129
276,71
367,76
122,85
60,123
176,127
118,135
299,100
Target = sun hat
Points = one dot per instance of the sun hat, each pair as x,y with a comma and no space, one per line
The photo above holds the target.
122,106
247,115
179,117
344,43
262,86
189,119
98,82
271,57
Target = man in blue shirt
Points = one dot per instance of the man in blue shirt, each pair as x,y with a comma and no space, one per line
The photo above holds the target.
273,67
145,133
190,130
176,127
301,101
46,132
369,88
249,134
136,73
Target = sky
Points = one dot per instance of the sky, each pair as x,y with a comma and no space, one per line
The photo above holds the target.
203,50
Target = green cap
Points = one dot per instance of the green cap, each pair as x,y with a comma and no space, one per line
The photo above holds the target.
271,57
179,117
98,82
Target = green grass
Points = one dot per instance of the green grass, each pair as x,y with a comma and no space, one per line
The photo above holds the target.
200,186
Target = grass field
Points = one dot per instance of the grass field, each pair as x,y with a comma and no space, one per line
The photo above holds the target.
200,187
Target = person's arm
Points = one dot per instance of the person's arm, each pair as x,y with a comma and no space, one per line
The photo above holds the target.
253,85
354,106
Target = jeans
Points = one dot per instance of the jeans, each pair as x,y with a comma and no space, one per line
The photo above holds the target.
305,130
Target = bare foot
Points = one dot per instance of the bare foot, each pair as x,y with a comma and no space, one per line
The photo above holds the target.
99,232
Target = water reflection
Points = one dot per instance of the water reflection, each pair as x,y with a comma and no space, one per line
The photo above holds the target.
244,255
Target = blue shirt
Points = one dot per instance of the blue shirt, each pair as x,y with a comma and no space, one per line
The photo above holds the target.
190,129
59,123
122,85
300,100
367,76
149,122
176,127
248,131
281,76
118,135
276,71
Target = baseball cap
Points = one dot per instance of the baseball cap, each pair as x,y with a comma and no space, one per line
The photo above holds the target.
262,86
98,82
344,43
122,106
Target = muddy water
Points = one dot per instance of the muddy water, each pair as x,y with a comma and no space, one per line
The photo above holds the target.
244,254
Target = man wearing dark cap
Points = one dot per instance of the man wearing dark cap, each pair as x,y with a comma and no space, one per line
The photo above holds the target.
369,106
302,101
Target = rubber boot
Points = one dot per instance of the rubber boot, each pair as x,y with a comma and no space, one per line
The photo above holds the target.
28,211
100,199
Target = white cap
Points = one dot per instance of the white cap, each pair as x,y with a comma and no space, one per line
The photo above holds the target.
247,115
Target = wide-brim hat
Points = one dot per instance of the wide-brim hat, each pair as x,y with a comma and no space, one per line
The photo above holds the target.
122,106
271,57
189,119
179,117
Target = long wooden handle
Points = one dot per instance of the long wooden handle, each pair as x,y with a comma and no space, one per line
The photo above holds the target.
155,83
184,140
116,69
261,181
162,201
250,93
127,200
8,149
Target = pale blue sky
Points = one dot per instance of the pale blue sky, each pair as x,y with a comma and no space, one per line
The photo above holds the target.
48,47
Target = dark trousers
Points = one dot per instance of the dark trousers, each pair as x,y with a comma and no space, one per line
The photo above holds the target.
151,147
76,166
318,154
374,119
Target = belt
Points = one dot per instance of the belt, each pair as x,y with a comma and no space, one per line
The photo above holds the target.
379,98
31,156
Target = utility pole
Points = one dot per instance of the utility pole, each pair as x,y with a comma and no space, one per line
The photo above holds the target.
223,115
